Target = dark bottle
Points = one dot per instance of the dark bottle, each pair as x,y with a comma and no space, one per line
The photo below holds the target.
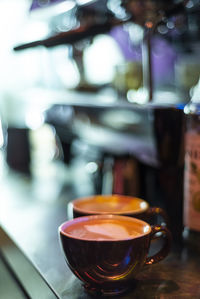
191,215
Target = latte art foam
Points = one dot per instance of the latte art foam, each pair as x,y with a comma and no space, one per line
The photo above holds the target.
110,204
105,230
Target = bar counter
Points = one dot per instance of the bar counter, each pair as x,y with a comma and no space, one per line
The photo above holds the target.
31,211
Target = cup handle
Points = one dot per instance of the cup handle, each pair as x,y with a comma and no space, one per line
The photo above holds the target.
164,251
158,211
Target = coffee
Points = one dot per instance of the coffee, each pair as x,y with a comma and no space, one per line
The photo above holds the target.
106,252
106,229
110,204
117,204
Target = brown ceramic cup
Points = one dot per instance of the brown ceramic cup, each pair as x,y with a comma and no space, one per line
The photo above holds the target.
117,205
106,252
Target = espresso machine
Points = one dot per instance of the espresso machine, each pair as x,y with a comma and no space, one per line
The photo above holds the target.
138,148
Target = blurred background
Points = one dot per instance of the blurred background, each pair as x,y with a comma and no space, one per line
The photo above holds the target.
98,84
57,54
96,80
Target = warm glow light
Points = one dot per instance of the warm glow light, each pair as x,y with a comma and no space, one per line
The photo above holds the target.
149,24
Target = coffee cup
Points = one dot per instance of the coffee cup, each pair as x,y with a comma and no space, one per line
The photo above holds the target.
106,252
117,205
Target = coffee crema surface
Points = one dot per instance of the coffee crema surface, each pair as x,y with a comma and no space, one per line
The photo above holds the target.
106,229
110,204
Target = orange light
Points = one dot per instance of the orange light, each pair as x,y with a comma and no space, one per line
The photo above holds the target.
149,24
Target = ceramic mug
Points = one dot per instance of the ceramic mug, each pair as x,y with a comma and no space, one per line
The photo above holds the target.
117,205
106,252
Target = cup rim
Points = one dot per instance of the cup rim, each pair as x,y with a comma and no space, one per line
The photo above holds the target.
105,216
83,211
